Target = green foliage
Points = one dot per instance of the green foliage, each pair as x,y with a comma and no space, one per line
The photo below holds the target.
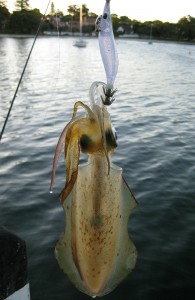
124,20
3,3
59,13
92,15
115,22
22,5
73,10
4,16
67,18
85,10
25,22
52,11
186,28
88,29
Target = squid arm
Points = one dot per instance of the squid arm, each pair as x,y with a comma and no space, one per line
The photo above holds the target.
57,154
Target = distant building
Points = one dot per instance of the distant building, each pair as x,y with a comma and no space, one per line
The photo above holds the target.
127,31
120,30
70,26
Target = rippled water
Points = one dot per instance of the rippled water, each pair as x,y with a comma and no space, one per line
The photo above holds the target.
154,115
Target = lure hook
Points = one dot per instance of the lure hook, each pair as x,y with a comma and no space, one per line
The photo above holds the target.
108,93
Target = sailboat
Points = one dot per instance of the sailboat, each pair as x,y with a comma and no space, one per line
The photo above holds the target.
80,42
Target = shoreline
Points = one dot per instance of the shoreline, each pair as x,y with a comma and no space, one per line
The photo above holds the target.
141,39
10,35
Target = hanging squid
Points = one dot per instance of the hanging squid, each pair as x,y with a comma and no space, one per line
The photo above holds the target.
95,250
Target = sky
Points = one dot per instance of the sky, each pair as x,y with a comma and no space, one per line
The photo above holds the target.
141,10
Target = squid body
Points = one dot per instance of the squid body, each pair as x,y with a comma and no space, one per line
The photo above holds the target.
95,250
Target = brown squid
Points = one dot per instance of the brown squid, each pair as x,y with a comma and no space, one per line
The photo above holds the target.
95,250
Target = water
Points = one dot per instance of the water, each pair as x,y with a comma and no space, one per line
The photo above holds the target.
154,115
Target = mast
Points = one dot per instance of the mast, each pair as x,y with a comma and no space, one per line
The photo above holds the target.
81,19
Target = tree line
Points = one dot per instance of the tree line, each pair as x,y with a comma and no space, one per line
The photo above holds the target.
25,20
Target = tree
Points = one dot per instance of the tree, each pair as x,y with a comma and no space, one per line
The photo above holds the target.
25,22
92,15
85,10
126,24
73,10
59,13
136,25
52,11
22,5
4,16
115,22
186,28
3,3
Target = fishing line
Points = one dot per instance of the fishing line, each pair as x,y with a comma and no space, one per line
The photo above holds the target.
23,71
56,76
59,50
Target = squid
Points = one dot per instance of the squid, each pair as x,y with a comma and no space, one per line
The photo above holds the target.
95,250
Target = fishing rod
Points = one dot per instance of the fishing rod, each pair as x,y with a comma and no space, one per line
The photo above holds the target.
23,71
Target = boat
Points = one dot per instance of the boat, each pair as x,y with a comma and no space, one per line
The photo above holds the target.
80,43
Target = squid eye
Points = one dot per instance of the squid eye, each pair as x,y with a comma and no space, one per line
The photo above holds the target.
85,143
111,139
105,16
